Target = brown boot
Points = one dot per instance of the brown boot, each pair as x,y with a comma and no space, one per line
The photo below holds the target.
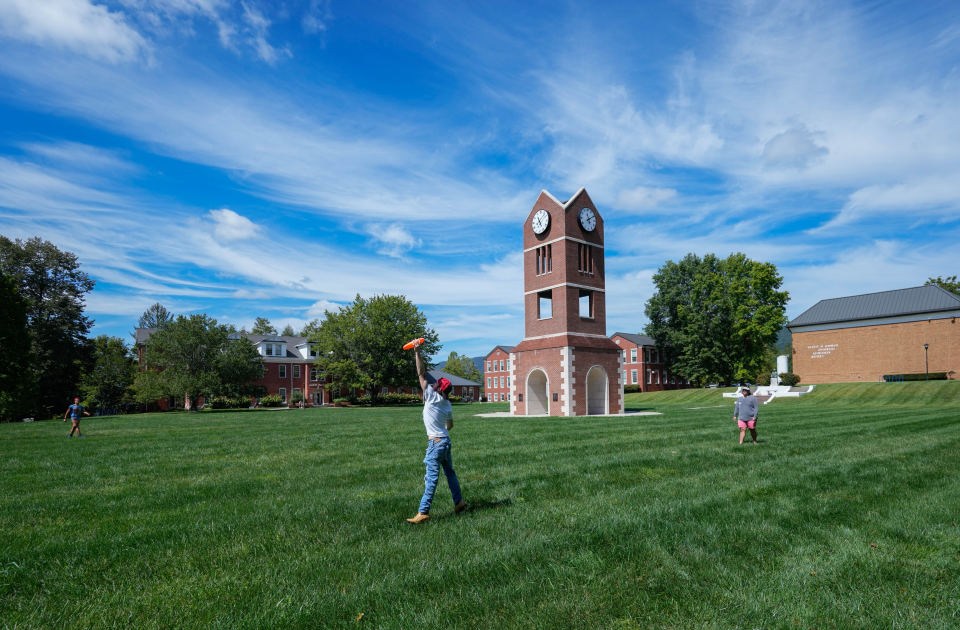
419,518
460,507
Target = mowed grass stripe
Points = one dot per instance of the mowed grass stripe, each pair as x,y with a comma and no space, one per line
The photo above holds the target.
294,519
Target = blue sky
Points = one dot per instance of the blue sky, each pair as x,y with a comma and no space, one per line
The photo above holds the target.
275,159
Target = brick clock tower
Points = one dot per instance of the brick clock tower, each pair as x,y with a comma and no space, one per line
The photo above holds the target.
565,365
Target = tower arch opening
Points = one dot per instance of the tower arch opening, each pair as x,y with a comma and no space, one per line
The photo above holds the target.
537,397
598,392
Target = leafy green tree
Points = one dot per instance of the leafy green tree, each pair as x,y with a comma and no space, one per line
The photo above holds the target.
288,331
309,328
715,319
18,384
193,356
949,283
361,344
154,317
463,366
262,326
53,286
106,384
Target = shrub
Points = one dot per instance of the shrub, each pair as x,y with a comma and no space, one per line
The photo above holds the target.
763,379
223,402
271,401
296,398
453,399
398,399
631,389
789,378
922,376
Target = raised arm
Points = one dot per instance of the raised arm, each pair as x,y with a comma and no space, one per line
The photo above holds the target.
421,370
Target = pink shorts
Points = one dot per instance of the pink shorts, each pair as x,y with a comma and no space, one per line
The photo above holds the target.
747,424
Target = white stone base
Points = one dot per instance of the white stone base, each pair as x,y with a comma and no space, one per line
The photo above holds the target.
507,414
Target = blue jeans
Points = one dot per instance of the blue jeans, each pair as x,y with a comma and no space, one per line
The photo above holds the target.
438,455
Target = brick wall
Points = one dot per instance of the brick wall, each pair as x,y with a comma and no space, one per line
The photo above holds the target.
865,353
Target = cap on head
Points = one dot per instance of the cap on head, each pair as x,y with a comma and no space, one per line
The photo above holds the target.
77,398
443,384
746,389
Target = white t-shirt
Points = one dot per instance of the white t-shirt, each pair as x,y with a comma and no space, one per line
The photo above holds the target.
436,412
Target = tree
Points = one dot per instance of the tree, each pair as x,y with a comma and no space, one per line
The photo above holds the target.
288,331
361,344
949,283
154,317
106,384
18,384
309,328
716,319
262,326
463,366
53,286
193,356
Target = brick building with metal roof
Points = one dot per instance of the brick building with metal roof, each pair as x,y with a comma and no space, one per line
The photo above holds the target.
861,338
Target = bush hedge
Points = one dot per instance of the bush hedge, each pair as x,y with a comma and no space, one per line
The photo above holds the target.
934,376
224,402
271,401
631,389
763,379
296,398
382,399
789,378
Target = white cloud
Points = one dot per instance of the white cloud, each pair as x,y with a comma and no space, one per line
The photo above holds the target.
75,25
794,148
396,239
247,294
644,198
316,17
231,226
317,309
258,27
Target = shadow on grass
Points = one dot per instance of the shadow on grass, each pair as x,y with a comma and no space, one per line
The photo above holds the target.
639,409
478,506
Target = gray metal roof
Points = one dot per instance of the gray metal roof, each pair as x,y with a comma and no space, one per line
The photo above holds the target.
433,375
640,340
914,301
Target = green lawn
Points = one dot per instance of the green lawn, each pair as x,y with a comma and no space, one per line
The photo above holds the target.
845,516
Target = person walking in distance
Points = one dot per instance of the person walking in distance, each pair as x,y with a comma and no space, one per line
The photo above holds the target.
745,413
75,411
438,420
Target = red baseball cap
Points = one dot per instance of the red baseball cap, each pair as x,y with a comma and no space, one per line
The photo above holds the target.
444,384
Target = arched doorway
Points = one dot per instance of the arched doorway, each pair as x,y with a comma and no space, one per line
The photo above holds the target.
537,401
597,392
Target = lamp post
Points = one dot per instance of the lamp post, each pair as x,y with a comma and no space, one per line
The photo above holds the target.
926,360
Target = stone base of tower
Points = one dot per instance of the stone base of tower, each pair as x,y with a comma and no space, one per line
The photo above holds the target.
566,376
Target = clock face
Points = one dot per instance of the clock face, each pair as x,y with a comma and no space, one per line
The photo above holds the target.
540,221
588,219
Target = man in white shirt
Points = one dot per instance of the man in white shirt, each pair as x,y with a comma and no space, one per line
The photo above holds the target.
438,420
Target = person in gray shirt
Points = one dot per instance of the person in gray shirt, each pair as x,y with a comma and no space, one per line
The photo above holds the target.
745,413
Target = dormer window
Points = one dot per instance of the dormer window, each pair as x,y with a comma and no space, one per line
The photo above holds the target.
313,351
273,350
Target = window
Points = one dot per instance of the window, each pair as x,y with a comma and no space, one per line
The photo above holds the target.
633,356
384,390
488,366
664,380
586,303
508,381
656,377
296,371
283,371
544,259
269,349
585,258
649,377
501,381
495,399
323,378
508,365
296,390
313,374
655,356
545,304
633,376
646,355
501,365
508,396
313,351
283,394
471,391
488,382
